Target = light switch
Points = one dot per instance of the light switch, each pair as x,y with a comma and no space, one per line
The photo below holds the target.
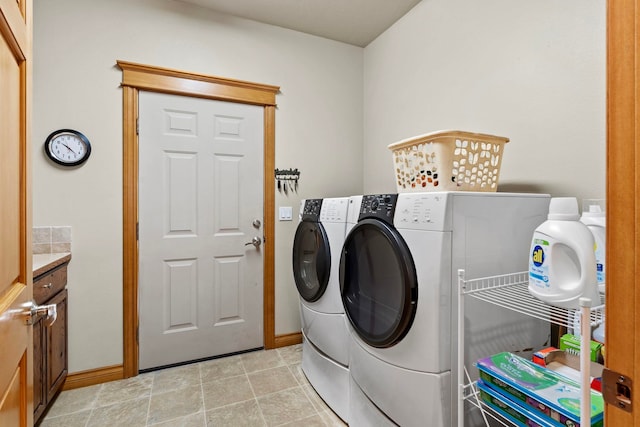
286,213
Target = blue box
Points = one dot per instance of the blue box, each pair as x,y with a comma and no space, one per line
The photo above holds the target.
510,410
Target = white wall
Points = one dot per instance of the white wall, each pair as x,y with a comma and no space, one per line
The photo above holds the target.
531,71
76,85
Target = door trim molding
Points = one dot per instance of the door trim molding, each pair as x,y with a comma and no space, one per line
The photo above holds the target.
285,340
93,377
137,77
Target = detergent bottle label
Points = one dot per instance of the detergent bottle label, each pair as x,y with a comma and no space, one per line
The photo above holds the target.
538,267
600,257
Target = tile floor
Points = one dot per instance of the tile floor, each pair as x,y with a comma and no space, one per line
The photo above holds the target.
261,388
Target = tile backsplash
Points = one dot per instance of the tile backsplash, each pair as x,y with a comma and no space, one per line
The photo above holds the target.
48,240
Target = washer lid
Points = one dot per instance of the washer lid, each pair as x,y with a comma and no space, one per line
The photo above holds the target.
378,283
311,260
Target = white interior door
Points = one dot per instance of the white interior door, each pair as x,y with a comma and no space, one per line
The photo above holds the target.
200,203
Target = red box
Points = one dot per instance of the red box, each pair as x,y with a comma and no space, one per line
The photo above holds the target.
539,357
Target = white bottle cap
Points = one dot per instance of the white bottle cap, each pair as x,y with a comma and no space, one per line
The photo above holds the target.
593,207
598,333
563,209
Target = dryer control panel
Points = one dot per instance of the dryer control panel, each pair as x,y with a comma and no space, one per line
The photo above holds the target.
334,210
380,206
423,211
311,210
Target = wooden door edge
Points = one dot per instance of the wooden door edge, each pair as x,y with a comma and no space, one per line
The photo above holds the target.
623,201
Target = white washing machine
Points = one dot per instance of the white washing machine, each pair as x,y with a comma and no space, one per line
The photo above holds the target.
398,277
316,256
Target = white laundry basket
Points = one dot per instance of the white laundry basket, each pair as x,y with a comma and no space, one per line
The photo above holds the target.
448,161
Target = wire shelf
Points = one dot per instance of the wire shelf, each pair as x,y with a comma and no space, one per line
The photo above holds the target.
511,291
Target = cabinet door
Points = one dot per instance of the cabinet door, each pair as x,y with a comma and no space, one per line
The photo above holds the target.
39,372
56,347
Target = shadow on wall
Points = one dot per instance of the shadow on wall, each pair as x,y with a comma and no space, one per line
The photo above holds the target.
556,189
521,187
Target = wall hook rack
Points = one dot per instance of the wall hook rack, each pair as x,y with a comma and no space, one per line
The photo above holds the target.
287,180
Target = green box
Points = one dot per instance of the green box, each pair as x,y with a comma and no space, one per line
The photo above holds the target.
571,343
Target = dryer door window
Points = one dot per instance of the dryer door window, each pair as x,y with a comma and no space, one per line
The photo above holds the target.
378,283
311,260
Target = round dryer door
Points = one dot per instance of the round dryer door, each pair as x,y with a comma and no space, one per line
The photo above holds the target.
378,283
311,260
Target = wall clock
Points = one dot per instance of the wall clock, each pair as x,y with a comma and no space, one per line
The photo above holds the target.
67,147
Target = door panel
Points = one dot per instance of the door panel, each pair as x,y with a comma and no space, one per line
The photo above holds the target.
200,189
182,185
16,289
181,286
10,406
10,167
57,351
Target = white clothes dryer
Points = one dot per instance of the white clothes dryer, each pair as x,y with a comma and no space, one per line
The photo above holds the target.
398,278
316,255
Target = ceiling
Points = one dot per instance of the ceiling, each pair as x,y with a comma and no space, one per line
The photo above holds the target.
356,22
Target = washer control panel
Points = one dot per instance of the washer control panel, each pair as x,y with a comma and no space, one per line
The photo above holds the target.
311,210
334,210
380,206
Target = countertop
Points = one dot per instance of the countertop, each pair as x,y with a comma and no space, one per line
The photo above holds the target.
45,262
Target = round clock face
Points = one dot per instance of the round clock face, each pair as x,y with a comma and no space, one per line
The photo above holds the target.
67,147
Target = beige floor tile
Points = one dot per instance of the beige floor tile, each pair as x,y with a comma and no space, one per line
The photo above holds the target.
219,392
174,404
261,359
271,380
331,419
128,389
315,399
78,419
312,421
221,368
132,413
296,371
291,354
285,406
76,400
243,414
193,420
176,378
226,391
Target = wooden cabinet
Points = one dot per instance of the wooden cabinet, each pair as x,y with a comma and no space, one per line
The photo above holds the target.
50,362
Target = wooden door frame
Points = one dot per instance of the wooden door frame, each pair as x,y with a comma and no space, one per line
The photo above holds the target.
137,77
623,201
